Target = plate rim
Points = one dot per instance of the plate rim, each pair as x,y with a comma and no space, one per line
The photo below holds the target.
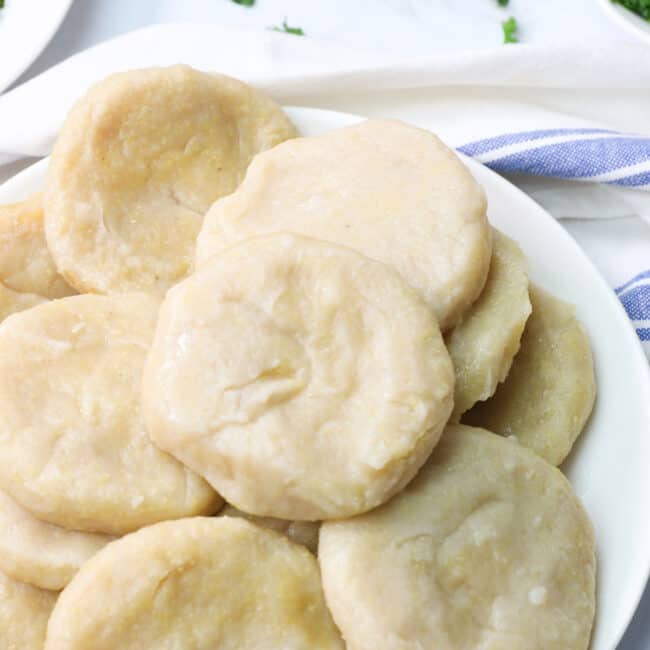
640,361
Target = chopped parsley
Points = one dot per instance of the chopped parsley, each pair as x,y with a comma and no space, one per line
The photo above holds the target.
245,3
503,3
510,30
297,31
639,7
2,4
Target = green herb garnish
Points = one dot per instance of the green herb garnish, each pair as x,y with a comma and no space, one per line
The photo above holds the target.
2,4
245,3
510,30
503,3
639,7
288,30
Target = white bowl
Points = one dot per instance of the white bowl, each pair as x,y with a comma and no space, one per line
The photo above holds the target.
26,27
627,19
609,466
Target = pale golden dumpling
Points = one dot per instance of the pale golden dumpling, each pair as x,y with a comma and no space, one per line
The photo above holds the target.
73,449
24,612
551,388
303,380
26,265
139,160
386,189
202,583
488,547
39,553
483,345
12,302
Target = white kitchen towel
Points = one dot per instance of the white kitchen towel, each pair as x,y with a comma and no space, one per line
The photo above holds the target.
578,113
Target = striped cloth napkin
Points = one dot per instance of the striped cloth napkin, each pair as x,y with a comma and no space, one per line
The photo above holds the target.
587,155
635,296
545,117
592,155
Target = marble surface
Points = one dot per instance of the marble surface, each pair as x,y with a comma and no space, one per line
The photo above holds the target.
402,27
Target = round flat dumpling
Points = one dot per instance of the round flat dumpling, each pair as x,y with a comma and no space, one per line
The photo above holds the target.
303,380
388,190
39,553
24,612
12,302
139,160
488,547
73,449
201,583
483,345
26,265
301,532
550,391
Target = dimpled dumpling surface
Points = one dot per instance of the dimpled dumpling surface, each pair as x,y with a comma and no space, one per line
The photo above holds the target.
39,553
217,583
24,612
301,379
139,160
26,265
488,547
388,190
483,345
73,449
551,388
12,302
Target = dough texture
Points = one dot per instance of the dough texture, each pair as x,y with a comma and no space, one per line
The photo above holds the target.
303,380
139,160
12,302
488,547
200,584
26,265
301,532
73,450
24,611
39,553
483,345
551,388
388,190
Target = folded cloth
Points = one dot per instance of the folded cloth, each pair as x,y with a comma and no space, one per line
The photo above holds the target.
548,116
595,155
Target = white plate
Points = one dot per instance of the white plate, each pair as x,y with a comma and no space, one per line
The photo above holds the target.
26,27
627,19
609,469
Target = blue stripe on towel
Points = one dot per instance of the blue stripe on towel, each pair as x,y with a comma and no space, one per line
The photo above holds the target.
636,180
583,154
640,276
490,144
635,298
644,333
637,302
580,159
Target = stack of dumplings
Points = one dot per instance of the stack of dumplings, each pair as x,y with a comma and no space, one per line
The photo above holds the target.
269,391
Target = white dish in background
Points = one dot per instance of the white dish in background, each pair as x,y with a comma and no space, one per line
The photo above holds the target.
609,467
628,20
26,27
